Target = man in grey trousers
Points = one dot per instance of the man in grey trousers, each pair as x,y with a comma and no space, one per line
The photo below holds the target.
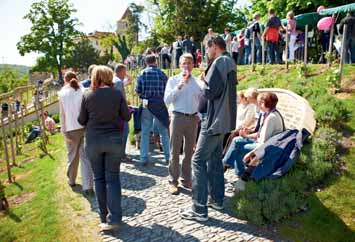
218,108
182,93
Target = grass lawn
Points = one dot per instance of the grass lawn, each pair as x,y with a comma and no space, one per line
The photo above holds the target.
43,207
331,213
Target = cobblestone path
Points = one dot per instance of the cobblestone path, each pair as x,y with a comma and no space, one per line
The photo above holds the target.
151,213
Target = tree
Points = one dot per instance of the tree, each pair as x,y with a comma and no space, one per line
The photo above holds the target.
177,17
82,55
52,33
297,6
134,24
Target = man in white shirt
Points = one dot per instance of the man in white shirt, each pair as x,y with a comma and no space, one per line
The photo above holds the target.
182,93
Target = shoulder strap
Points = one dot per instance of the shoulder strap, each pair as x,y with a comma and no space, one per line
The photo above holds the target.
282,119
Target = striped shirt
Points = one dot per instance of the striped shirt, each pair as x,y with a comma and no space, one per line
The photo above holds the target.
151,82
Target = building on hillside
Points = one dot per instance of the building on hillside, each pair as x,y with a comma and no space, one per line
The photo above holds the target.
36,76
122,24
95,40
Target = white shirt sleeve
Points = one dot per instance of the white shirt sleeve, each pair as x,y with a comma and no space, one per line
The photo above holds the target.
171,91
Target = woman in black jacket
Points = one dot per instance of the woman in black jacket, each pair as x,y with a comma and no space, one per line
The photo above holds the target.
103,110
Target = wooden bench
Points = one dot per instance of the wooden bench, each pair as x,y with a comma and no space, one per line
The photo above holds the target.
295,110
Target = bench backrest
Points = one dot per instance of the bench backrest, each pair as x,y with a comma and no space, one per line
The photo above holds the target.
295,110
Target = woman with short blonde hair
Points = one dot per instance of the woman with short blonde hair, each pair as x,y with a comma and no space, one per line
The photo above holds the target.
101,75
101,109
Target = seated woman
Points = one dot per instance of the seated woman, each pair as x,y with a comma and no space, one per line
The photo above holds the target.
271,124
246,114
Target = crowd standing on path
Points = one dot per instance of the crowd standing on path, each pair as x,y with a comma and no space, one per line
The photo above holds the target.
195,116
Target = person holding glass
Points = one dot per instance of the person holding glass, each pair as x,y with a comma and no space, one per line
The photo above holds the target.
182,93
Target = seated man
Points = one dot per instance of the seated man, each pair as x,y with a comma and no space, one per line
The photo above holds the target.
271,124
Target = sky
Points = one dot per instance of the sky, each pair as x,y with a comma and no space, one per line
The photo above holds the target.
94,15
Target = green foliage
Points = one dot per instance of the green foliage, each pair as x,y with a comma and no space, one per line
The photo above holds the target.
272,200
55,117
194,17
122,46
10,78
134,24
24,70
82,55
52,33
284,6
2,191
330,110
333,78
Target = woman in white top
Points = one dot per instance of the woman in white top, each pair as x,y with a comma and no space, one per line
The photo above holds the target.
70,97
228,39
271,124
245,113
234,49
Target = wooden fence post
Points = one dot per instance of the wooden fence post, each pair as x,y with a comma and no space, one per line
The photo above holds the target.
17,141
253,53
41,130
6,151
343,54
286,50
9,121
331,43
22,125
305,50
263,52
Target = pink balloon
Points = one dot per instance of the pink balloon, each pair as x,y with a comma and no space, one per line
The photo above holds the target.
325,23
320,8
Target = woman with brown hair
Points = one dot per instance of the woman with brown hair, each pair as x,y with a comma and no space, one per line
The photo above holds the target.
101,109
271,124
70,97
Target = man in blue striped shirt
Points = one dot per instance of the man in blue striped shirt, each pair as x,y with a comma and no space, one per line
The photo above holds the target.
150,87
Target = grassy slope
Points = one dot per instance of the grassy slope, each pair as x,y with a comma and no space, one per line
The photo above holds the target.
48,215
331,212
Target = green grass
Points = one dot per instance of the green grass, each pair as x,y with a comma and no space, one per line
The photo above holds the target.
47,214
331,213
37,218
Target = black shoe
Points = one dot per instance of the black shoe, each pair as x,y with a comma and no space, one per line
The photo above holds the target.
89,193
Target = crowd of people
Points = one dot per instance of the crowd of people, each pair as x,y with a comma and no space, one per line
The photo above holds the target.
240,43
194,116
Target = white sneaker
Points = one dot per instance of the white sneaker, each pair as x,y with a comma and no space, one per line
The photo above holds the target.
239,185
107,227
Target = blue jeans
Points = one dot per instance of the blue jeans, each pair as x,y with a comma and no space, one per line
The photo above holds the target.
350,48
33,135
105,156
272,52
238,148
125,135
247,51
258,51
147,125
207,169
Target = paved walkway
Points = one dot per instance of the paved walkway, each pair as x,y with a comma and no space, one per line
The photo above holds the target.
151,213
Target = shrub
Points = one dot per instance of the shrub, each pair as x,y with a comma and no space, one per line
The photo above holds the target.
269,200
55,117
